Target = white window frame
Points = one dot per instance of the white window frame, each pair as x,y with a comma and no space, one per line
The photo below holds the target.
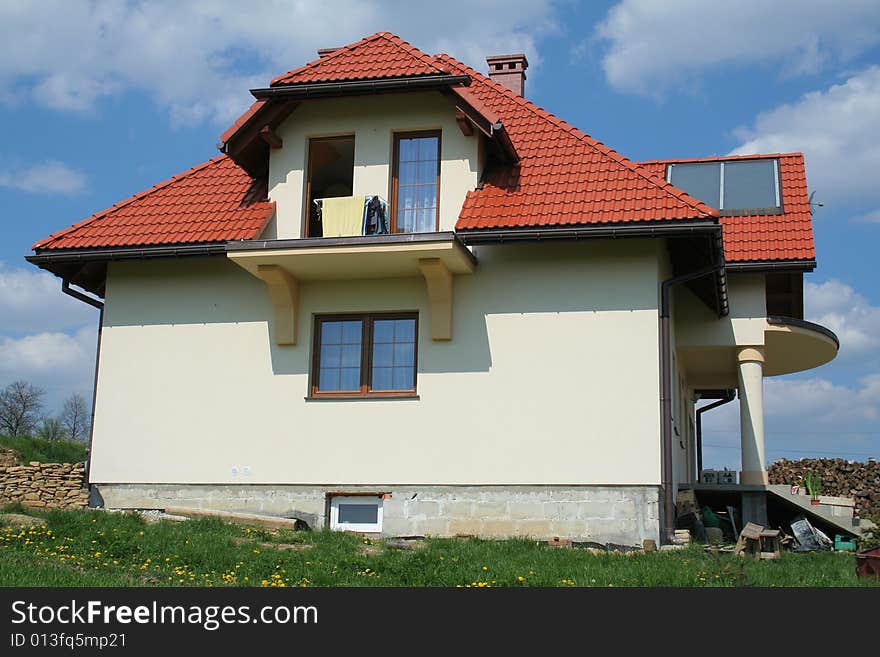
365,500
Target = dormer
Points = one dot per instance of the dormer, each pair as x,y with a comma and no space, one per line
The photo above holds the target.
373,122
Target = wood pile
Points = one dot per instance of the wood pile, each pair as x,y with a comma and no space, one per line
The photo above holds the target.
839,478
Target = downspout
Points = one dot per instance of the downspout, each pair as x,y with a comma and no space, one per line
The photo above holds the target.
65,287
666,391
728,397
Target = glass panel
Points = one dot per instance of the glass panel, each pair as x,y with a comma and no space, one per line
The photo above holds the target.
382,379
383,330
330,379
405,330
330,355
394,358
352,332
362,514
749,184
331,332
351,356
417,166
402,379
403,353
700,180
383,354
349,378
340,356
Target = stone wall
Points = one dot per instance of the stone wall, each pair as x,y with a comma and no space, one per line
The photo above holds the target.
618,514
42,485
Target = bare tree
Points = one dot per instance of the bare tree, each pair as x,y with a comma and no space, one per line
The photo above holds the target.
75,417
20,406
51,429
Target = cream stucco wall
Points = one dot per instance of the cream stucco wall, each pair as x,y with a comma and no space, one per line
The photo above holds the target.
697,325
372,120
551,377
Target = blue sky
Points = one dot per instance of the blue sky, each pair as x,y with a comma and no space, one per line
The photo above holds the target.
104,99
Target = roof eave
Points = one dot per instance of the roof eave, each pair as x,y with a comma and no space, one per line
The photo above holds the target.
360,87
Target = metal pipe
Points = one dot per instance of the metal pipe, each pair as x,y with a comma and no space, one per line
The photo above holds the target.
65,287
729,396
666,388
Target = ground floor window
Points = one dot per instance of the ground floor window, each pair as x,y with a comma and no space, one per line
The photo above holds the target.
365,355
357,513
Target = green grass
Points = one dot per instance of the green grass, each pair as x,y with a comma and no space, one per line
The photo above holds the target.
90,548
46,451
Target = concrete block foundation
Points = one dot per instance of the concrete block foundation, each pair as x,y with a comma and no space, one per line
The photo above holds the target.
616,514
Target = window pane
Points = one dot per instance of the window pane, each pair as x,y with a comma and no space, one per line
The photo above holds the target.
394,357
702,181
383,330
417,166
351,355
427,148
330,355
350,378
331,332
403,353
383,354
352,332
329,379
382,379
340,356
749,184
405,330
358,513
402,379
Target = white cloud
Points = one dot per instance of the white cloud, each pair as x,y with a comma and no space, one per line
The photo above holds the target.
49,177
198,59
31,301
811,417
57,362
656,44
835,129
849,314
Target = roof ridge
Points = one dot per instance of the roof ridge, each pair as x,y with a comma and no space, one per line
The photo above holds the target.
387,36
583,137
325,58
123,203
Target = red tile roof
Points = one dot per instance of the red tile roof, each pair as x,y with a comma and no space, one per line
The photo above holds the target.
215,201
759,237
382,55
564,177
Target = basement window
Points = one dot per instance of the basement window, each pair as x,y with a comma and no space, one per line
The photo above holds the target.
737,187
356,513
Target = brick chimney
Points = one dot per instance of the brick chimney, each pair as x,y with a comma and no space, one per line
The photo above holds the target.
509,70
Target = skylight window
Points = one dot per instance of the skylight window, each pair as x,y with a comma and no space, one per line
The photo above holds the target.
734,186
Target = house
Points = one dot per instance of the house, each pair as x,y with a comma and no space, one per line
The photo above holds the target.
406,300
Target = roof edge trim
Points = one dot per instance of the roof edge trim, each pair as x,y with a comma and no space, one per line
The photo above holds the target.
359,87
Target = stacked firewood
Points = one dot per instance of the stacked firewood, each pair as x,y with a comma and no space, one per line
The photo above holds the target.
839,477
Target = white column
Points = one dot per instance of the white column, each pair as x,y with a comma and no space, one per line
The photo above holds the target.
750,371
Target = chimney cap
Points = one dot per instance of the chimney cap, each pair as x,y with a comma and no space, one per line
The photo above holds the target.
323,52
517,58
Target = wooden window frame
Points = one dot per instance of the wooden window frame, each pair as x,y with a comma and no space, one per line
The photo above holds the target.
395,169
365,390
307,206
